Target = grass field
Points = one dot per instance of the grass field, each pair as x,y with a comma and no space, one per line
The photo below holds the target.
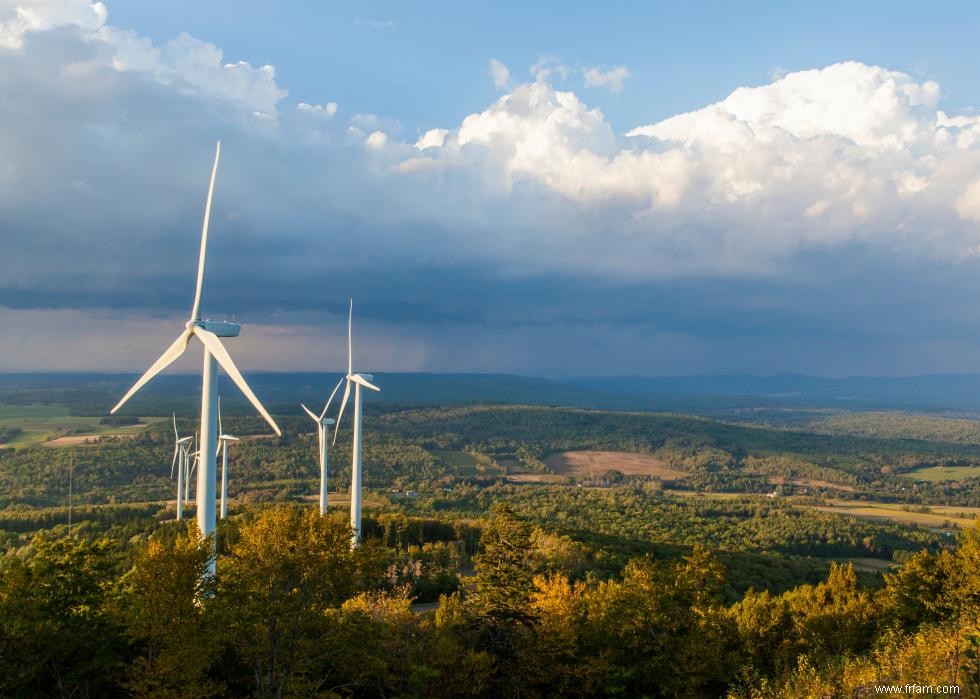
52,425
934,516
810,483
468,464
869,565
583,463
943,473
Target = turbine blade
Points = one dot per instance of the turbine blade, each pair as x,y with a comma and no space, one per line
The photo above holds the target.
219,352
165,360
310,413
330,399
357,378
350,347
196,311
176,434
220,431
174,463
343,404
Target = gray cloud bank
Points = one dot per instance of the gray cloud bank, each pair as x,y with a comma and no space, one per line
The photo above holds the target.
826,222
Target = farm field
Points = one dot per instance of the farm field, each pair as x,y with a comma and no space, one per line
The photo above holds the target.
469,464
936,516
870,565
42,424
584,463
811,483
943,473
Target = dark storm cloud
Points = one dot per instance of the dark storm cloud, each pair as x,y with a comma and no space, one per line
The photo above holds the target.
531,234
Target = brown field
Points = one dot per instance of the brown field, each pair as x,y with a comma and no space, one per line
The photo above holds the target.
581,463
870,565
810,483
938,516
82,439
534,478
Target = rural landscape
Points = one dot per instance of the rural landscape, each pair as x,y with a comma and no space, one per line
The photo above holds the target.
503,544
501,350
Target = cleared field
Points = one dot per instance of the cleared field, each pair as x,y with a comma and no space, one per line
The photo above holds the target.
943,473
810,483
583,463
534,478
469,464
936,516
42,424
870,565
712,496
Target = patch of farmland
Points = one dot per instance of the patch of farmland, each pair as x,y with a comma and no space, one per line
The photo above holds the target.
583,463
943,473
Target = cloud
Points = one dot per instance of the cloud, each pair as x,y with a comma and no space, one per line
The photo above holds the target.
822,157
326,110
612,80
548,69
433,138
500,73
20,19
774,208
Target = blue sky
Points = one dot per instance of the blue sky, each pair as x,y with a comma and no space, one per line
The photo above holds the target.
426,64
540,188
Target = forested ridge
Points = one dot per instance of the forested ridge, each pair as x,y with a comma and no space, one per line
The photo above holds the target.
484,571
294,611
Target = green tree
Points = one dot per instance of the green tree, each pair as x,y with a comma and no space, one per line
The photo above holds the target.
167,613
58,636
504,566
289,567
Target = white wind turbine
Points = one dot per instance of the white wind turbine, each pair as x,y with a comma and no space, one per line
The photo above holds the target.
190,468
224,439
358,380
215,354
322,429
180,461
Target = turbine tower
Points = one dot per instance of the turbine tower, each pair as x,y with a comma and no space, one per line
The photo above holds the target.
224,439
322,430
358,380
180,461
215,354
189,469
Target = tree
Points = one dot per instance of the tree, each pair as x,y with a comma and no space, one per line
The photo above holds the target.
57,634
504,567
167,613
289,567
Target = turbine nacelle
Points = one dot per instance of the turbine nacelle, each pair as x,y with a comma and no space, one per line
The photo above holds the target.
364,380
222,328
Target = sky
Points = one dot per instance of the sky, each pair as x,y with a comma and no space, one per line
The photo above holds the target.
548,189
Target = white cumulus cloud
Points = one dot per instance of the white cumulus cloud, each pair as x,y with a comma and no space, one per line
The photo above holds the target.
847,153
612,79
538,182
500,73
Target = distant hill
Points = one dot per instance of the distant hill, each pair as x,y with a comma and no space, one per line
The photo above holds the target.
765,397
932,391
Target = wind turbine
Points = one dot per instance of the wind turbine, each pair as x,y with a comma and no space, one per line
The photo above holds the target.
322,428
358,380
190,468
224,439
180,452
215,354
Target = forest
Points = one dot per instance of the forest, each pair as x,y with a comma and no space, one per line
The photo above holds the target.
294,611
486,569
